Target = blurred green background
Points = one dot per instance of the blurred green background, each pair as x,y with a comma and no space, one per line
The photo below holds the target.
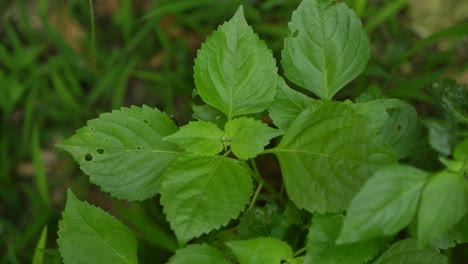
64,62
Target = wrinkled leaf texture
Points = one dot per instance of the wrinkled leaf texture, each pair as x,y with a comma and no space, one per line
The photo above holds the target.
200,194
327,154
123,151
326,49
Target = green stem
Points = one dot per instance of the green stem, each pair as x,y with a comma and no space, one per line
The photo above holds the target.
254,198
262,182
300,251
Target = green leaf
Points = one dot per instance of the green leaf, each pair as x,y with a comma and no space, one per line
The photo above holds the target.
327,154
375,110
235,72
200,194
248,137
261,221
288,105
208,113
457,235
385,204
326,49
200,137
401,131
38,257
88,234
123,151
443,204
442,135
261,250
407,251
198,254
452,98
321,247
396,121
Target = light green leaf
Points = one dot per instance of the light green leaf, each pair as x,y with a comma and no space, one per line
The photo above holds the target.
200,137
198,254
385,204
407,251
288,105
235,72
443,205
442,135
88,234
248,137
200,194
326,49
375,110
327,154
261,250
123,151
321,247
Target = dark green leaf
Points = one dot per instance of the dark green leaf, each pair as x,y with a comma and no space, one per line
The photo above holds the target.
321,247
261,221
385,204
452,97
288,105
123,151
234,71
407,251
327,154
200,194
88,234
327,47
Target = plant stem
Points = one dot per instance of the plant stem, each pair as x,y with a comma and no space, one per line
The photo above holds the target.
300,251
262,182
254,199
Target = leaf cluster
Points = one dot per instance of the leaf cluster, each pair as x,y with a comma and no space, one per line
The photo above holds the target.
342,162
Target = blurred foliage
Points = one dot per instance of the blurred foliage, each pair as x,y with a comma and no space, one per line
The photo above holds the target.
63,62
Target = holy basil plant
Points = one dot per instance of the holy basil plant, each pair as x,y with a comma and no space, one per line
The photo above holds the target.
347,191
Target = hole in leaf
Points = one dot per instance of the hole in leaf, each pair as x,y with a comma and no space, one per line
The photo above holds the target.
88,157
106,140
100,151
146,121
138,147
92,128
295,34
399,127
